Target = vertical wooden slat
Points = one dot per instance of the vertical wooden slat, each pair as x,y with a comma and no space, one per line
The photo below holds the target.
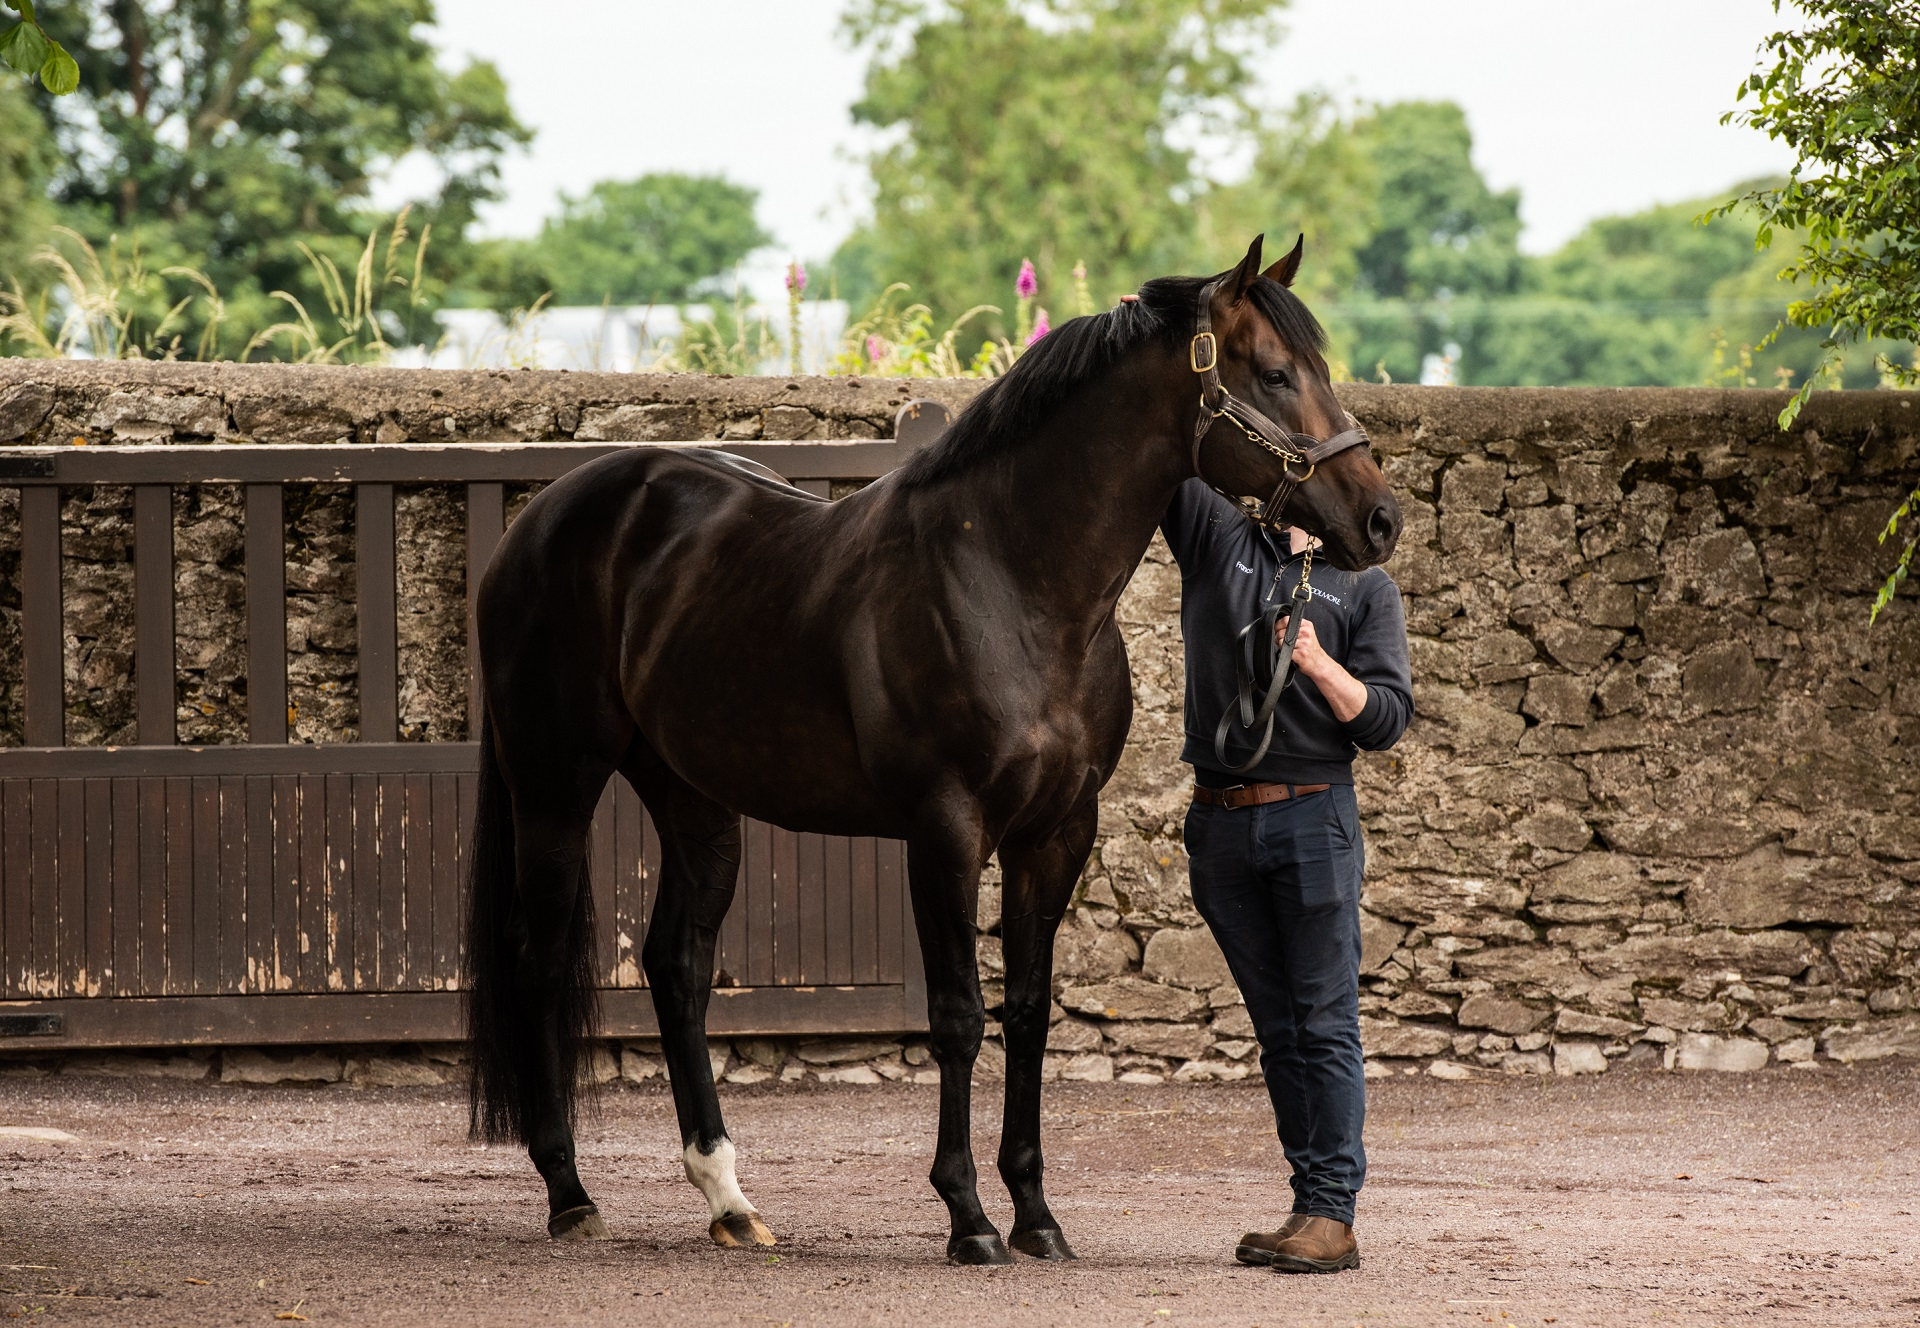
259,886
466,789
233,883
179,878
153,887
391,809
16,884
266,614
286,881
363,970
311,940
837,892
41,629
890,916
811,886
43,888
601,866
418,838
649,884
379,642
340,883
786,908
863,932
71,930
206,884
446,880
746,937
486,522
153,661
97,966
127,895
629,906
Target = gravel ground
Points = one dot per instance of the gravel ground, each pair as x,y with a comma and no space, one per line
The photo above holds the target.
1781,1197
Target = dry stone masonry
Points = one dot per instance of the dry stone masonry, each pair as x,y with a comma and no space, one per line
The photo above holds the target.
1660,805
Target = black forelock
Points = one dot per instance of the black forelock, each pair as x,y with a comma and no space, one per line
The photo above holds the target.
1083,349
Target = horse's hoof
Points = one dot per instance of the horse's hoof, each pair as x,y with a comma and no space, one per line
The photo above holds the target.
1043,1243
737,1230
977,1251
582,1223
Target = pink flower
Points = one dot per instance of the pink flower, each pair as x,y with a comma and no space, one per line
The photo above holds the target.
1026,284
876,349
1040,328
796,277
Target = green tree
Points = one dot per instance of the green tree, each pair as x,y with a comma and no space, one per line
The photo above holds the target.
1441,243
226,133
1843,91
26,160
661,238
1047,129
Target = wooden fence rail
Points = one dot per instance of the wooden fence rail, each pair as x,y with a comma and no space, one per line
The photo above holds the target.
272,892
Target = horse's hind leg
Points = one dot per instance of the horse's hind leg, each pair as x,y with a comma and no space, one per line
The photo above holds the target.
1040,878
699,864
550,845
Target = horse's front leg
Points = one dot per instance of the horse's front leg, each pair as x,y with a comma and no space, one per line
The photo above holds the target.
1040,877
943,874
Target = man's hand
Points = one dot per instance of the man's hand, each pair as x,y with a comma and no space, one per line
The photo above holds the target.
1344,692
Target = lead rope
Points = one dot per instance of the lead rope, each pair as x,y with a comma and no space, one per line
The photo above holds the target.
1280,669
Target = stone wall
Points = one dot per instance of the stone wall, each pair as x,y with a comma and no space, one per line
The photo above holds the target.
1658,805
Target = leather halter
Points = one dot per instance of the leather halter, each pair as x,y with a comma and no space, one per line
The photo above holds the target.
1293,449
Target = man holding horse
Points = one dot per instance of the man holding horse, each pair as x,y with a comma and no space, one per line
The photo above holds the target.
1273,834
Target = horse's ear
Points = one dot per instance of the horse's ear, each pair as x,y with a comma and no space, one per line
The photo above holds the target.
1248,271
1288,268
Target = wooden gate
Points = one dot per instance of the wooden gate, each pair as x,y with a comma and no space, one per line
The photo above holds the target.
267,892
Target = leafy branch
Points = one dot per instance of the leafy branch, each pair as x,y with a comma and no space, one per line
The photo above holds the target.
1843,91
28,49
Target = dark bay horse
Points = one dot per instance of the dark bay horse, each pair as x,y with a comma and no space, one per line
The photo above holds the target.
933,659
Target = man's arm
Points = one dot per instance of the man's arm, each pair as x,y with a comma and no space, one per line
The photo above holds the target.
1372,693
1188,523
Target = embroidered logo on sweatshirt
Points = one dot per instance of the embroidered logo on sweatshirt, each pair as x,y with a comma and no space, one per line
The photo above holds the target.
1243,567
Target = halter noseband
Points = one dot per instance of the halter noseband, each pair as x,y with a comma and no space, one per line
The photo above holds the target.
1293,449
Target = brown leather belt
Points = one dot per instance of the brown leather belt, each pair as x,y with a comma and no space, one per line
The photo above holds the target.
1254,795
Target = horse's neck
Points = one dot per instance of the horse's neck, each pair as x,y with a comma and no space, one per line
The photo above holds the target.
1072,506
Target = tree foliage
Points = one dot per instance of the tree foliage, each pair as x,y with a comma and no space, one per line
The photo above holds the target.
661,238
27,47
224,134
1057,130
1843,91
26,161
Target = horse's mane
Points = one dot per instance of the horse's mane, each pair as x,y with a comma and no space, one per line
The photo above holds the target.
1083,349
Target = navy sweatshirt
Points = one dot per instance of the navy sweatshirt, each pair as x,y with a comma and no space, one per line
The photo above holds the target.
1229,571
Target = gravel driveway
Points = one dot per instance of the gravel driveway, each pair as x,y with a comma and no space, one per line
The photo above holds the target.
1781,1197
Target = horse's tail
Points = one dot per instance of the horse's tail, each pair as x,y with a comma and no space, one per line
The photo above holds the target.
501,1044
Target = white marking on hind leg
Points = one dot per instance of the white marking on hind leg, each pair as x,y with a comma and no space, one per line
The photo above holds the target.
713,1174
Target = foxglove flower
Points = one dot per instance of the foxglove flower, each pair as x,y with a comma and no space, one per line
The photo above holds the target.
796,277
876,349
1040,328
1026,284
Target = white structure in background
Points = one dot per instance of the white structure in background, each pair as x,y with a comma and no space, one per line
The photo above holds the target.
614,338
1437,370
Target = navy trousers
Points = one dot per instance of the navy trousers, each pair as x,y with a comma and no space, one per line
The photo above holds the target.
1279,886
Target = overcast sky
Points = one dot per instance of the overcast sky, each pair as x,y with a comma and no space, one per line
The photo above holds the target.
1589,109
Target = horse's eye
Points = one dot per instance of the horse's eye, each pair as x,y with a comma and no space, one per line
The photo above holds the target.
1275,378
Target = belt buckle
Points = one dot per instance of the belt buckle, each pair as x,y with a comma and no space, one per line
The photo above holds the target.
1225,795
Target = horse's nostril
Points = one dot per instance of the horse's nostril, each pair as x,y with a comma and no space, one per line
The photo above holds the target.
1383,527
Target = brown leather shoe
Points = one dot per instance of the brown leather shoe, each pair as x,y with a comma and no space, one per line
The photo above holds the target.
1317,1245
1256,1247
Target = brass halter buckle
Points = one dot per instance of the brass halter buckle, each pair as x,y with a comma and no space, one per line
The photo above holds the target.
1213,353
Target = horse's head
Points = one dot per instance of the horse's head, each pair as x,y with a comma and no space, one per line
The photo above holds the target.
1268,354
